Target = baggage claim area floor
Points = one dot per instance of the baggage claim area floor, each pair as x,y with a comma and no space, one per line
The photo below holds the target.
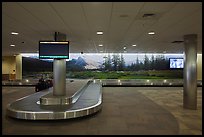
125,111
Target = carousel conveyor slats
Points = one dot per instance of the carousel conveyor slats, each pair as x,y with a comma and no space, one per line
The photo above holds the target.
89,102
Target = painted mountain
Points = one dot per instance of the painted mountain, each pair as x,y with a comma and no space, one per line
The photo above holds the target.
92,63
82,63
76,64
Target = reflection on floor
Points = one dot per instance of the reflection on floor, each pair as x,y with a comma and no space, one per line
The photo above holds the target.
125,110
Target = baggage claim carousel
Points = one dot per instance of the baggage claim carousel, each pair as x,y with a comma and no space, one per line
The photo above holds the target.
83,97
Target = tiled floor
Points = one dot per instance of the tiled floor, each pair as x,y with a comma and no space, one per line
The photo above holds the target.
190,121
125,110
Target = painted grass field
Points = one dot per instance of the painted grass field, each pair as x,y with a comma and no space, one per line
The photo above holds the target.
150,74
163,74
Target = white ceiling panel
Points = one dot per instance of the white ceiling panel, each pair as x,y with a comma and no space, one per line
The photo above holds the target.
122,8
157,7
122,22
123,17
72,15
15,11
98,16
178,12
46,15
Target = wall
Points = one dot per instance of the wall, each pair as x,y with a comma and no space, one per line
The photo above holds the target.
199,66
8,64
19,67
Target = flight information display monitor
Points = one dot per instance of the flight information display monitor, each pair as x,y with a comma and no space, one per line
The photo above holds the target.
176,63
53,49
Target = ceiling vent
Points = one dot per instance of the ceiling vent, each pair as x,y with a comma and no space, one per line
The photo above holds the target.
147,15
177,41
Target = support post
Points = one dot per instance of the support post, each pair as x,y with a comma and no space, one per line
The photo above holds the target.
59,70
190,72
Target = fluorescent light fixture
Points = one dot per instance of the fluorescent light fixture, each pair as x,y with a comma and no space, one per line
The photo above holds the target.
134,45
62,42
151,33
12,45
29,54
124,47
32,55
50,57
99,33
100,45
14,33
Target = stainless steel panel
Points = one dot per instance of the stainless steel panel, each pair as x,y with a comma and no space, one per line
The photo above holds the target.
56,101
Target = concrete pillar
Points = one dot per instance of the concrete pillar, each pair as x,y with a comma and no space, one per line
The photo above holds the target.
59,84
19,67
190,72
59,68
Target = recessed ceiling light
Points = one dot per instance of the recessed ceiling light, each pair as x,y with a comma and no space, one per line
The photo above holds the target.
100,45
12,45
124,47
134,45
151,33
99,33
14,33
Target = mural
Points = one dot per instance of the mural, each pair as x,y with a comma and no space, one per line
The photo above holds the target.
119,62
104,62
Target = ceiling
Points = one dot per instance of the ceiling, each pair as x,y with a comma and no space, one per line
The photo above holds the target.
123,24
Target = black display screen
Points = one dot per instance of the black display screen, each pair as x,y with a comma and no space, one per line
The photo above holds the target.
53,49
